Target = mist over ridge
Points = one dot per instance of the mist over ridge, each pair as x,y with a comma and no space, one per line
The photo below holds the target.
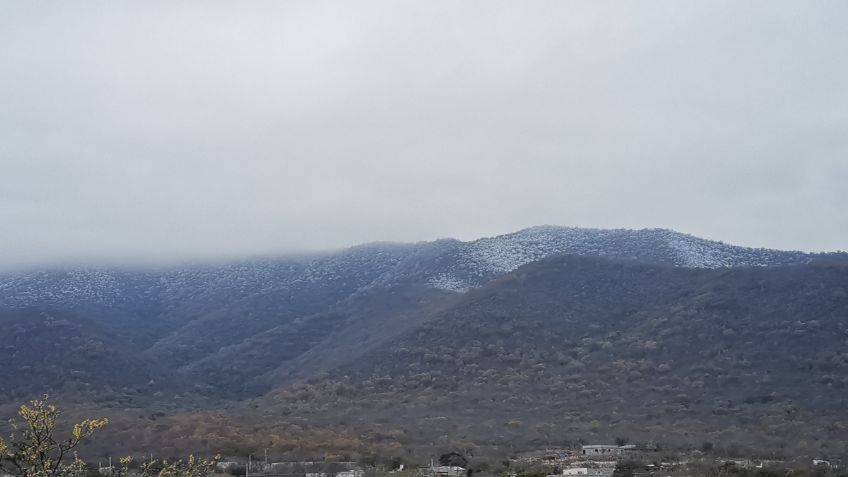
131,264
236,132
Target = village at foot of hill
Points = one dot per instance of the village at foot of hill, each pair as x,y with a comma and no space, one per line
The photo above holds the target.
597,460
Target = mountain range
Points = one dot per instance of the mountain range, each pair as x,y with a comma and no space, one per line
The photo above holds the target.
543,336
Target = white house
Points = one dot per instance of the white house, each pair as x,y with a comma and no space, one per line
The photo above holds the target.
351,473
576,471
587,471
447,471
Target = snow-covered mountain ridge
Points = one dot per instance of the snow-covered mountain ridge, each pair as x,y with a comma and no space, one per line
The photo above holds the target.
479,261
444,264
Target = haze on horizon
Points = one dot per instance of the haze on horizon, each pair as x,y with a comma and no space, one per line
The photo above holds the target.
177,131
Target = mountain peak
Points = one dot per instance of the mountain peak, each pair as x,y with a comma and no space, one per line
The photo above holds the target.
478,261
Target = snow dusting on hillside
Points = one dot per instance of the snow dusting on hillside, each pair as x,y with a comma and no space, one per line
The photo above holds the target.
449,265
481,260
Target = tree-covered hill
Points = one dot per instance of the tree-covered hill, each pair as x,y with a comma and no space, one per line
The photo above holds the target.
545,335
584,348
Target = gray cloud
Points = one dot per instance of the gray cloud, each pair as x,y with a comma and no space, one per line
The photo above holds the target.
142,131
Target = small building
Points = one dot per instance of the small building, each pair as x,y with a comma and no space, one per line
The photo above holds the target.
601,450
587,471
351,473
576,471
606,451
447,471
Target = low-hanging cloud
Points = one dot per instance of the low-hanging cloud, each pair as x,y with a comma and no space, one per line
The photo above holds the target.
178,130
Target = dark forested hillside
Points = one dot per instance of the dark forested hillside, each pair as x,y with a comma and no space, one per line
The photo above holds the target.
576,348
543,336
42,351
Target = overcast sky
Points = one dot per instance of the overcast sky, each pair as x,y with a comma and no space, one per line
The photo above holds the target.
193,130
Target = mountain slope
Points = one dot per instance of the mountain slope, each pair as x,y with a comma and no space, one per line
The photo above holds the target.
577,348
43,350
239,329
